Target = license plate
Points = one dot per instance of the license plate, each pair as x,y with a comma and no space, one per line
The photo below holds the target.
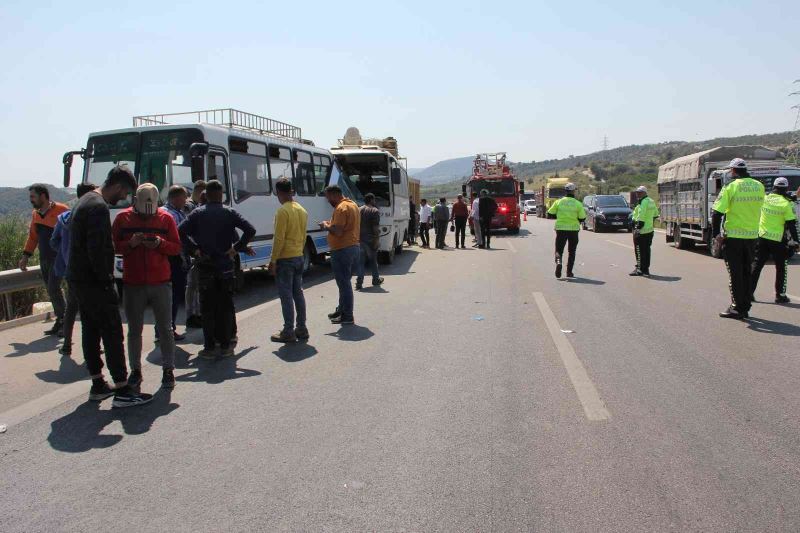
616,223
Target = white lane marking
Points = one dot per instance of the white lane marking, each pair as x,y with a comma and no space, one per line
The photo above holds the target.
593,406
511,246
620,244
53,399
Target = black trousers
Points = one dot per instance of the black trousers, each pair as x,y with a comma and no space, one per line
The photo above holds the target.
486,231
441,232
216,308
99,309
642,244
179,278
425,233
461,230
562,238
739,255
778,252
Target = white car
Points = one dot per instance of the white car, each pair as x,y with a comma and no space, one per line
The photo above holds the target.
530,206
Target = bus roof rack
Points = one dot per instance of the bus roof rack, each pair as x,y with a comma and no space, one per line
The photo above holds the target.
229,118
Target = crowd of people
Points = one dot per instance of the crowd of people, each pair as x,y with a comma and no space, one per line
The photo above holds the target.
186,252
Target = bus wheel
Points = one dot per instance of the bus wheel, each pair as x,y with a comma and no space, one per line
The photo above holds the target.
398,248
307,258
238,275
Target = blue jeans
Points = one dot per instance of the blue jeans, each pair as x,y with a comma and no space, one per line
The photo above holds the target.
289,279
371,256
343,262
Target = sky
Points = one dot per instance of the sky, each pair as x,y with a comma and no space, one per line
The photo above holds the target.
538,80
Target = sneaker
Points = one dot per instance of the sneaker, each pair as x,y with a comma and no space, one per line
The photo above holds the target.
636,272
135,379
782,299
733,313
66,349
335,314
301,333
226,352
284,336
168,379
558,271
570,275
207,353
376,282
178,336
359,285
56,329
100,392
342,320
127,397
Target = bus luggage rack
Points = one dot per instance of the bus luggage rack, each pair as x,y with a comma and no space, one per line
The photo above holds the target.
230,118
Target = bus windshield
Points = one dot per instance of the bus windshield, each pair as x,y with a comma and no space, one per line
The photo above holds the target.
165,159
107,151
494,187
367,173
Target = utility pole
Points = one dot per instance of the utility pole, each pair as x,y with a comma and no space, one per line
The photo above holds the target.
794,143
605,143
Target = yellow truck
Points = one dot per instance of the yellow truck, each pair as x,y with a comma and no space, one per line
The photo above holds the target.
553,190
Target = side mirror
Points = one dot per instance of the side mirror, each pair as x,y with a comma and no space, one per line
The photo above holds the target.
397,177
67,162
712,185
198,152
464,190
522,187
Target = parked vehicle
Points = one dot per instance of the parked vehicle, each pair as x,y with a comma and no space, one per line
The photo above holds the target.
689,185
607,212
490,173
530,207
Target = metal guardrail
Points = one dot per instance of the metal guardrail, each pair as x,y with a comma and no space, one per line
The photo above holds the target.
16,280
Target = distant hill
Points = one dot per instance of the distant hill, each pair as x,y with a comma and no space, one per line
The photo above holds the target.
444,171
14,200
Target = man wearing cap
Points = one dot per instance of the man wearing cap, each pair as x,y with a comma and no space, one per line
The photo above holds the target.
777,217
740,203
643,215
147,237
569,214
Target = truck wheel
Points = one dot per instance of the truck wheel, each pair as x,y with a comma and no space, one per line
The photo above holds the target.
681,242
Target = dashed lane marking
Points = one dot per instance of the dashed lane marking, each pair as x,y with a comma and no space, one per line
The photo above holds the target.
593,406
628,246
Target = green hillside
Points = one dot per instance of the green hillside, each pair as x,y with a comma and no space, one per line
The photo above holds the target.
14,200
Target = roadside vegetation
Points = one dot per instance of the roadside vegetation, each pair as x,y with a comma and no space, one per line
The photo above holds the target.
13,233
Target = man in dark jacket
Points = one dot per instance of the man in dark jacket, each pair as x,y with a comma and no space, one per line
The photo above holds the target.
487,207
91,273
441,215
206,234
370,234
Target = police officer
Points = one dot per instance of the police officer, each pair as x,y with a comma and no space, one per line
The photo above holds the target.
740,203
569,214
777,217
643,215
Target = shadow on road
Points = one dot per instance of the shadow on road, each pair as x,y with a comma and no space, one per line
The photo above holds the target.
294,353
656,277
776,328
44,345
217,371
80,431
585,281
69,371
353,333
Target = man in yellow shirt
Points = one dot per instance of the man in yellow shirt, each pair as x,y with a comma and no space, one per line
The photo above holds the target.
344,238
287,263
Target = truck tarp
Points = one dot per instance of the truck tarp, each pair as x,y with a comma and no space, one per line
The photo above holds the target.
687,167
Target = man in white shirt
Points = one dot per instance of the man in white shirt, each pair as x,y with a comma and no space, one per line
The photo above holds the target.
425,216
476,221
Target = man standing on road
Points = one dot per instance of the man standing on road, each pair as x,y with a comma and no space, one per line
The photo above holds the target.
487,207
459,215
193,319
777,217
476,221
43,221
412,222
147,238
569,214
60,243
643,215
287,263
370,235
441,216
178,209
344,236
91,272
740,203
425,217
207,236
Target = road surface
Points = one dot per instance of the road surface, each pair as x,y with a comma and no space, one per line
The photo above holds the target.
475,393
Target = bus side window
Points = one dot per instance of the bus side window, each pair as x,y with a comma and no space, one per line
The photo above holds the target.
249,175
303,173
216,171
280,163
322,172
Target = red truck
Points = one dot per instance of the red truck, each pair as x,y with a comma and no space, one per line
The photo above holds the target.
490,173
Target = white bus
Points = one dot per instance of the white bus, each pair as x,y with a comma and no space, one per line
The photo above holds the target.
372,166
246,152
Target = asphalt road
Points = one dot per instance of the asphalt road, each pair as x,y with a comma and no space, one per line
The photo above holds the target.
475,393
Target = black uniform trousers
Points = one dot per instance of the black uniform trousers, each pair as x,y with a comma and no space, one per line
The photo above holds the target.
738,255
216,307
766,249
100,321
562,238
642,243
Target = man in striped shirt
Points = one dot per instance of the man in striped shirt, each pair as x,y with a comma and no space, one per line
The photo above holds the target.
179,264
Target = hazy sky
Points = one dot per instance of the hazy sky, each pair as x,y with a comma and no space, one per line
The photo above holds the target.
537,80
